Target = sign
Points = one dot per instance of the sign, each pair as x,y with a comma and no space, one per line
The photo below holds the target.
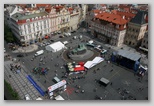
57,85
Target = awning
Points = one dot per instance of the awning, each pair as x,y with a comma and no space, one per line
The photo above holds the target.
95,61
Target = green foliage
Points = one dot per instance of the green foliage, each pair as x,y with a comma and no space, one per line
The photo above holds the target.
13,93
8,36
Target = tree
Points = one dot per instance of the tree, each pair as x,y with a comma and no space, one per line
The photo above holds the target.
8,36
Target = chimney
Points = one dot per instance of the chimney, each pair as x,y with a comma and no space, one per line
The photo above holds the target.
123,17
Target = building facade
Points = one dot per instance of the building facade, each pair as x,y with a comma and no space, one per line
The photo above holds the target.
108,27
144,43
30,28
36,21
136,30
74,19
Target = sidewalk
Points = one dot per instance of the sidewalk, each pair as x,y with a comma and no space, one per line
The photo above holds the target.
27,49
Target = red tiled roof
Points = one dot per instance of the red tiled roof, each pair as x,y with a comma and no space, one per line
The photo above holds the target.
113,18
48,10
43,5
58,7
96,11
124,6
127,14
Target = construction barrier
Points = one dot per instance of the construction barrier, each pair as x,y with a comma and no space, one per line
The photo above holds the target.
35,85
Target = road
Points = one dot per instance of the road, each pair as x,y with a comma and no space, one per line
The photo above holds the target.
120,77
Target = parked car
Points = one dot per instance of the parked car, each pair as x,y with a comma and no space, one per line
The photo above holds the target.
61,36
52,40
80,36
59,32
20,55
75,37
69,34
66,34
65,42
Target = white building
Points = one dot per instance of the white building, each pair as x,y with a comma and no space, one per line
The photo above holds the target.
29,28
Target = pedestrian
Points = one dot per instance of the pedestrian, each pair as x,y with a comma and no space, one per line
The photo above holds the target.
45,81
55,71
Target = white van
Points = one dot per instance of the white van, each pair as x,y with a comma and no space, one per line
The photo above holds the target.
39,52
91,41
65,42
74,37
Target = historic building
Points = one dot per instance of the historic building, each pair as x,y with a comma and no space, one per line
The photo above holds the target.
31,23
144,44
136,29
74,19
109,27
29,28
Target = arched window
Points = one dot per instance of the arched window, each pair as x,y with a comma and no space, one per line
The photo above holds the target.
28,20
36,18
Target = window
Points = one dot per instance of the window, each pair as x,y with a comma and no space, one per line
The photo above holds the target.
33,27
44,24
28,20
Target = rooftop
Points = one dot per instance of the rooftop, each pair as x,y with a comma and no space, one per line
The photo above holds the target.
21,16
139,18
114,18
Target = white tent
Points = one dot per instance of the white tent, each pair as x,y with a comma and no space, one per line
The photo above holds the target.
95,61
54,47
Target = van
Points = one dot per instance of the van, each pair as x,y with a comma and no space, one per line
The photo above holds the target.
56,79
39,52
91,41
65,42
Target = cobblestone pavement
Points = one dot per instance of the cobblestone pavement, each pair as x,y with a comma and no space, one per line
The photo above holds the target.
27,49
19,82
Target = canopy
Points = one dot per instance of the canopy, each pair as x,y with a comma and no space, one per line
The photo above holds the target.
129,55
95,61
54,47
